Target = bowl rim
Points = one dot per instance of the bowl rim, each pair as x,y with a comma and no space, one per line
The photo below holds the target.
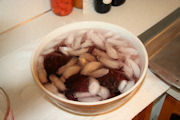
57,98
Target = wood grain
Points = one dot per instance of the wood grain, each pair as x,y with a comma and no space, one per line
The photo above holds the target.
145,114
171,105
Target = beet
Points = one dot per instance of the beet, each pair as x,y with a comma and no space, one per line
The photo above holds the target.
77,83
69,95
53,61
112,80
119,74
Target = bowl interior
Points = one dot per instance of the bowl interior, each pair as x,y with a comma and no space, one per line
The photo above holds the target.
52,39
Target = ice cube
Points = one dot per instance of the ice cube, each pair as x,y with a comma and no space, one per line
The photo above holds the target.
99,73
104,92
94,86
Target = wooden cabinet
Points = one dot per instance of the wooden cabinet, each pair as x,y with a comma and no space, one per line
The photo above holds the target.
170,106
145,114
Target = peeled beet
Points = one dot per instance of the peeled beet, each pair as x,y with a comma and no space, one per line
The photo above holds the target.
53,61
77,83
112,80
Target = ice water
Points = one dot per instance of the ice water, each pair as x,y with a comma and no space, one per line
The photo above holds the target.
89,65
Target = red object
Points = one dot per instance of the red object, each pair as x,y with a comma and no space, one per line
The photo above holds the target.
62,7
77,83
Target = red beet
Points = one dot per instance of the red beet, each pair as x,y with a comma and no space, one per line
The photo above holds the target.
119,74
77,83
112,80
53,61
69,95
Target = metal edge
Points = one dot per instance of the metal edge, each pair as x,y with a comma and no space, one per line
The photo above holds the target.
157,28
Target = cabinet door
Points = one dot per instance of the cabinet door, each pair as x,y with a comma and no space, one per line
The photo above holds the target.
145,114
170,107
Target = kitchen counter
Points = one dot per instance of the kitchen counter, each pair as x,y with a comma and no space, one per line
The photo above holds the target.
23,27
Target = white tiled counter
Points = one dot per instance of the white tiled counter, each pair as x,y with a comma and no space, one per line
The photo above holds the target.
21,28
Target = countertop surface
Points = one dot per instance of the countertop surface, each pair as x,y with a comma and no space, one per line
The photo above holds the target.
25,23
